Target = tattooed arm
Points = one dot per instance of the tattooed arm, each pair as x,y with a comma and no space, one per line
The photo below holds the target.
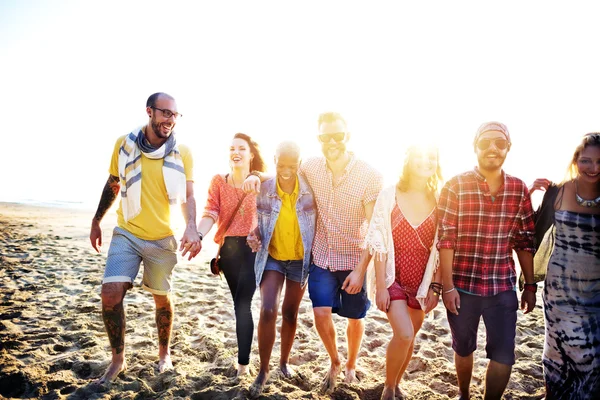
190,242
109,194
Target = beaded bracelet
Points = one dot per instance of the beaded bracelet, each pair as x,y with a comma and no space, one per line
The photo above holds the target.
530,287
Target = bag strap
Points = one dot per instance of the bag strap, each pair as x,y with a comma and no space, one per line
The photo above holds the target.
233,214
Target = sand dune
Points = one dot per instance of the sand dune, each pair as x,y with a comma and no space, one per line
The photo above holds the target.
53,344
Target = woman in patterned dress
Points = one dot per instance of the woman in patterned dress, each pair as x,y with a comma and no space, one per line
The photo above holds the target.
571,294
236,257
401,235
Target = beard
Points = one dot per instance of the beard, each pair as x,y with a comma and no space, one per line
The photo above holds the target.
333,152
156,127
494,164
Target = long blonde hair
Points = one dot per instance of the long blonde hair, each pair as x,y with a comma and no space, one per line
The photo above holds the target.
434,180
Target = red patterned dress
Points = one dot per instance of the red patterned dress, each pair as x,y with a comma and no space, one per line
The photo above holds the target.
412,245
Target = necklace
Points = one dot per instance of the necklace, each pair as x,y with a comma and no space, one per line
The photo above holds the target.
241,208
583,202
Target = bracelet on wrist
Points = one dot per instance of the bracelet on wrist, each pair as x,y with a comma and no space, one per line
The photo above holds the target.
449,290
201,235
530,287
254,173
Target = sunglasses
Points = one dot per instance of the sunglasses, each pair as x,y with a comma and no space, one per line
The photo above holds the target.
337,136
500,144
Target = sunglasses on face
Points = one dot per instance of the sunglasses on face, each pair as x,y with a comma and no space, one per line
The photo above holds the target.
499,143
337,136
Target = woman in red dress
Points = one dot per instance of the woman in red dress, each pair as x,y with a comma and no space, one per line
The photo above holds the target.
401,234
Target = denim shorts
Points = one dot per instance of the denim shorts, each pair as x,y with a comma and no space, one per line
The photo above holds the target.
291,269
500,318
325,290
127,252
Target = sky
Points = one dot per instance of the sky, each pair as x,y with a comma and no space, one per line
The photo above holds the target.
76,75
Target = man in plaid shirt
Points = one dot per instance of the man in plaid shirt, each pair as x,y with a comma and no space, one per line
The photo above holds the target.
345,189
484,215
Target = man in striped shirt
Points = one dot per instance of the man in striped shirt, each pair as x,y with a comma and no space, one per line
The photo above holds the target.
484,215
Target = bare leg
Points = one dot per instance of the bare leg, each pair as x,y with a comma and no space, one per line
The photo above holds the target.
464,370
417,317
496,379
270,291
164,324
113,315
289,313
354,333
399,346
326,330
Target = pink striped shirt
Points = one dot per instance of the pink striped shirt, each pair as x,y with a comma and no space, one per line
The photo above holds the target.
341,219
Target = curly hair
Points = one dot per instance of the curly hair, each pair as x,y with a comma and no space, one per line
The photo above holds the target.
257,163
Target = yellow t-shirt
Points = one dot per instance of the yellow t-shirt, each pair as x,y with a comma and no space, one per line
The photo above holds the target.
154,220
286,242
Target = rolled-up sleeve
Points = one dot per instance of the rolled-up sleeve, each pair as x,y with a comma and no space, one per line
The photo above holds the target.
524,239
213,201
448,217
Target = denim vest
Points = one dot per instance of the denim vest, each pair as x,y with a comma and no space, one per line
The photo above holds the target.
268,205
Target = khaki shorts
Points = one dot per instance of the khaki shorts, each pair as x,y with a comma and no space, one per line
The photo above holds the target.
127,252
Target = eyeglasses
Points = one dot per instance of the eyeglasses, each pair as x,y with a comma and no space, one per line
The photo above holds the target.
499,143
168,113
337,136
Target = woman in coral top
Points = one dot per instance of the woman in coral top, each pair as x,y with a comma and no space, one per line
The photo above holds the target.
237,259
401,234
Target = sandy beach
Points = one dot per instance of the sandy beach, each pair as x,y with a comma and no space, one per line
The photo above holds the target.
53,344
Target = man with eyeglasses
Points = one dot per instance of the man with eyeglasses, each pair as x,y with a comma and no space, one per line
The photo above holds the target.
345,189
484,215
151,171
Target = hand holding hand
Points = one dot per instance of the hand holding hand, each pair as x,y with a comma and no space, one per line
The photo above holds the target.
431,301
190,243
254,242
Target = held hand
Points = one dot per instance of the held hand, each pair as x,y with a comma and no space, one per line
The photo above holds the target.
190,243
254,242
540,184
431,301
96,236
527,301
251,184
452,301
382,299
353,283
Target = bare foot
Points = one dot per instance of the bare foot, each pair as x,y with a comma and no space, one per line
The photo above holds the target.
286,370
399,393
113,370
350,375
259,384
165,364
329,382
387,393
242,370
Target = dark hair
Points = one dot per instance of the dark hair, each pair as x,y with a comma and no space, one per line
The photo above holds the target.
589,139
257,163
151,102
329,117
432,183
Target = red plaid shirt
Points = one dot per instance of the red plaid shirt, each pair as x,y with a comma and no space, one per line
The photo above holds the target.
483,233
341,220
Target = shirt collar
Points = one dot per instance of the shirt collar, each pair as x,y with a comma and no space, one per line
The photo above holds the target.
281,193
481,178
348,167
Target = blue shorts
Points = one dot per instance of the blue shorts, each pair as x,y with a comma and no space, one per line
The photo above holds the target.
127,252
325,290
291,269
500,318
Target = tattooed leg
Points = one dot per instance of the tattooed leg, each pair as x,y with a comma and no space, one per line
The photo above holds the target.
113,315
164,324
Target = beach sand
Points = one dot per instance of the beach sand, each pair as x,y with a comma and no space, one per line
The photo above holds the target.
53,344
